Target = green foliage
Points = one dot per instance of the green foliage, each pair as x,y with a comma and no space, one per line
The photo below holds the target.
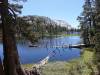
34,27
71,34
90,26
16,7
87,22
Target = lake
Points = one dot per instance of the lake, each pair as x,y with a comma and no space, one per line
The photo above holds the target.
35,54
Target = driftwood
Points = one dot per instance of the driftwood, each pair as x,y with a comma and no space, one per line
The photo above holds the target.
78,46
36,69
74,46
42,62
81,46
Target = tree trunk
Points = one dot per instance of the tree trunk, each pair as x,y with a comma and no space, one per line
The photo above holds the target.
11,59
97,42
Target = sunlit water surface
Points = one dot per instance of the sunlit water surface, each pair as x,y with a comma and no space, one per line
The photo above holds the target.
35,54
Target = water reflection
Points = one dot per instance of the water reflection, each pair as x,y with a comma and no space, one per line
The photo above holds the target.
34,54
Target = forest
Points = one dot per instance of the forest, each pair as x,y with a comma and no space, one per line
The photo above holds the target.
33,28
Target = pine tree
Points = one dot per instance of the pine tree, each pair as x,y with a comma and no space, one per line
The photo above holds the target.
87,22
11,61
97,30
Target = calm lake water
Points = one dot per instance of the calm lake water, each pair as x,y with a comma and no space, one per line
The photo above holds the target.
35,54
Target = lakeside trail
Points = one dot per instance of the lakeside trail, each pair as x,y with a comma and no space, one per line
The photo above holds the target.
80,66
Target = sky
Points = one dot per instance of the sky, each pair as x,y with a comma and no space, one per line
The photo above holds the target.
66,10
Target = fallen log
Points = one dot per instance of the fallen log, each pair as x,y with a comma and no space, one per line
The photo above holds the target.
42,62
81,46
74,46
36,69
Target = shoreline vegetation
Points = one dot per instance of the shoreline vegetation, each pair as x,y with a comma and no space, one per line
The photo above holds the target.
61,34
55,35
80,66
50,36
71,34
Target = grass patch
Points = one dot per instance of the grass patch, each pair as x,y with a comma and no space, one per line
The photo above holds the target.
71,34
87,56
27,66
